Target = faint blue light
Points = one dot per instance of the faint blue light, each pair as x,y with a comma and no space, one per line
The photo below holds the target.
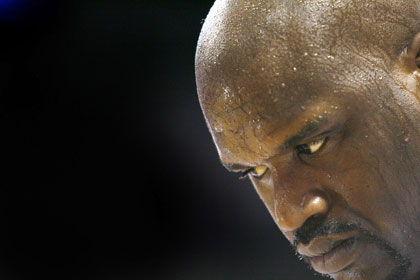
7,2
9,8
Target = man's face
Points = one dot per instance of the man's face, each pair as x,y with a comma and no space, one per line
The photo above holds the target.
328,135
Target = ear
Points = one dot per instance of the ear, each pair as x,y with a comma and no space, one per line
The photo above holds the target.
411,58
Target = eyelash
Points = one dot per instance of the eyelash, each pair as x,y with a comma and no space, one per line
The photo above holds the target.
245,173
303,148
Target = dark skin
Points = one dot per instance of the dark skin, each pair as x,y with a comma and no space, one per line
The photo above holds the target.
318,103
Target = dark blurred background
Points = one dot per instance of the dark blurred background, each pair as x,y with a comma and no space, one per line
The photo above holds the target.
109,171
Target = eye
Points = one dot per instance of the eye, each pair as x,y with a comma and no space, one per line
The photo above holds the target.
311,147
256,172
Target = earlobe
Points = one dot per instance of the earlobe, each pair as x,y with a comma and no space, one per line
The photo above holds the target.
411,57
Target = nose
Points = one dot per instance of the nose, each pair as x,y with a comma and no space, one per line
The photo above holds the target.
292,211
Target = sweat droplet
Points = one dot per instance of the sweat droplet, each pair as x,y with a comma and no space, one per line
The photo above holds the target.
283,85
294,69
218,129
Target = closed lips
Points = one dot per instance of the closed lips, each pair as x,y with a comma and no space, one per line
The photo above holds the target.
332,254
323,245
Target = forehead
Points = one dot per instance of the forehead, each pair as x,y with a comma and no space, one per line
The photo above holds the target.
259,63
247,39
294,27
252,48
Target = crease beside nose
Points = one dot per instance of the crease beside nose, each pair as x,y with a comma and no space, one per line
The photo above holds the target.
292,216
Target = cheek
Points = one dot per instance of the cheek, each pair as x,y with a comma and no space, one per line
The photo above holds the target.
265,191
360,188
362,180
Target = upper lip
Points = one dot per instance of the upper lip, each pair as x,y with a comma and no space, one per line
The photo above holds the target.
324,244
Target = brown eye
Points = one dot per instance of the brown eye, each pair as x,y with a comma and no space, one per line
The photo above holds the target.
259,171
311,147
256,172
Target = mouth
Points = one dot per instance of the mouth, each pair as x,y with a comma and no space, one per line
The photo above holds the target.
332,254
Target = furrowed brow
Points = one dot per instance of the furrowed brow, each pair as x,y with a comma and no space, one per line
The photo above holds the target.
306,131
310,128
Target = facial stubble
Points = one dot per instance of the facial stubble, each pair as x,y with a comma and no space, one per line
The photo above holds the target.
308,233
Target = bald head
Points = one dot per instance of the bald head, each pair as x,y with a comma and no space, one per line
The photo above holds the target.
263,57
319,103
242,40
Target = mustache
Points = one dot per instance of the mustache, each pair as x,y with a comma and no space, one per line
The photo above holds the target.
315,228
311,230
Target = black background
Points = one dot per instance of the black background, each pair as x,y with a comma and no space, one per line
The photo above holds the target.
109,171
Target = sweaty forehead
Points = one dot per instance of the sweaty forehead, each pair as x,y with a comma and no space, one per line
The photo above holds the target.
262,55
250,26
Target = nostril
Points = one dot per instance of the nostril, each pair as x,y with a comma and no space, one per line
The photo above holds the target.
309,230
315,206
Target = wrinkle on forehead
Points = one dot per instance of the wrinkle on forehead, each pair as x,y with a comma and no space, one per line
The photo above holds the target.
236,32
260,59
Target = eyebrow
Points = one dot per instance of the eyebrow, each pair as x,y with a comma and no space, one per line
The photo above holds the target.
304,132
